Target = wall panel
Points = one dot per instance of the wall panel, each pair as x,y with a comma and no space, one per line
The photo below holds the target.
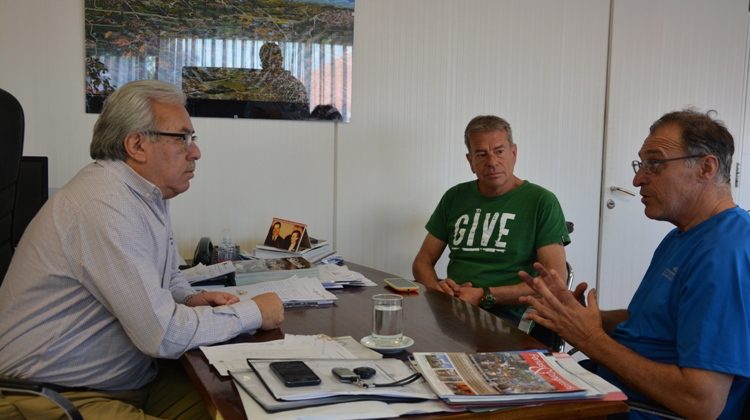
251,170
423,69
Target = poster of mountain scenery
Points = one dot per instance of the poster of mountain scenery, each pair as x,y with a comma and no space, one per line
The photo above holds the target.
275,59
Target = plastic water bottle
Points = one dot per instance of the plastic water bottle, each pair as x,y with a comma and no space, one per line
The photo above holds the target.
227,251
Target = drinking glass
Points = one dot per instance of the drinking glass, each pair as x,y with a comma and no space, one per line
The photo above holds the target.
387,320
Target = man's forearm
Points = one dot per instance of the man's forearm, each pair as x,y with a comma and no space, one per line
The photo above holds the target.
425,274
688,392
508,295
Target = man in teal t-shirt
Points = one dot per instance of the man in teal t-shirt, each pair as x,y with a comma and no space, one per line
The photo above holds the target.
494,227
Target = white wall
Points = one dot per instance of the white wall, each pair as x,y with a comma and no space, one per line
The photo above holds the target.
422,69
251,170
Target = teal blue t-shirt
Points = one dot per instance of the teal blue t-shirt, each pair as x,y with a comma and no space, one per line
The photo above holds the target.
491,238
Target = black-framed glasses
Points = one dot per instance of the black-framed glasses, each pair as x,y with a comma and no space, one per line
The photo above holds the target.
653,166
187,138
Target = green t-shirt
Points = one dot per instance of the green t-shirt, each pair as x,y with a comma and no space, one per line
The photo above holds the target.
492,238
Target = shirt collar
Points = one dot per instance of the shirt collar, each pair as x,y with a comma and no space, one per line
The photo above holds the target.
140,185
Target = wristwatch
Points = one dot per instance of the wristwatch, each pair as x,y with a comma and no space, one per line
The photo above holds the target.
487,301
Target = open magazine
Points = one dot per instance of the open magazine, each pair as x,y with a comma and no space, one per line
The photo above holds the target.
510,378
275,264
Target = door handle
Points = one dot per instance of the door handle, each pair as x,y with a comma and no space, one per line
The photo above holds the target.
622,190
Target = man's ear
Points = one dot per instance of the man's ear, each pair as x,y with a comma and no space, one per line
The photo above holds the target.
468,158
709,167
134,147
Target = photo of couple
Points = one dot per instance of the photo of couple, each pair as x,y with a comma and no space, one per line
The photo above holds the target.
287,235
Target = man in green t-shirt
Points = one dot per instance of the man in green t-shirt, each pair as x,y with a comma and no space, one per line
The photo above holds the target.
494,227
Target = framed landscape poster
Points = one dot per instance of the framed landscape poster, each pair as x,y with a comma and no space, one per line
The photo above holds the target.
278,59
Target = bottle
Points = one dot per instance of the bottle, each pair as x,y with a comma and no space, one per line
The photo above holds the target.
227,251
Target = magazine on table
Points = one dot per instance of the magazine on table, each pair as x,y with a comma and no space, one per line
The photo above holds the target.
509,378
313,255
275,264
257,270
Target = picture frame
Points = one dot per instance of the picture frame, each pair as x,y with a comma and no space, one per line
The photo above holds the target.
287,235
272,59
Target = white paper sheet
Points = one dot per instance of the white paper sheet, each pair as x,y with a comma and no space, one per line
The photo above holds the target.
233,357
348,410
293,291
202,272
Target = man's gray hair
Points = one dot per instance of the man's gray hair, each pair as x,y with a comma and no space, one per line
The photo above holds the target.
485,123
702,134
126,111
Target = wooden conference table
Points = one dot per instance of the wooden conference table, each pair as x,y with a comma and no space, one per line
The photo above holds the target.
436,322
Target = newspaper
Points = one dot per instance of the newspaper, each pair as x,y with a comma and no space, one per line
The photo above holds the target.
506,377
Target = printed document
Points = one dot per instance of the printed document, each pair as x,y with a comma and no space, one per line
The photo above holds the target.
202,272
293,291
233,357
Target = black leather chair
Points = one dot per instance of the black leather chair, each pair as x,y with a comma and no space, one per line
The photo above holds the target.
553,341
11,149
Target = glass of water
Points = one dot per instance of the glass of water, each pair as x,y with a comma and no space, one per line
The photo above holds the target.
387,320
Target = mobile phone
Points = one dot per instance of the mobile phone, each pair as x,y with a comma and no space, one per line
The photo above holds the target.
401,285
294,373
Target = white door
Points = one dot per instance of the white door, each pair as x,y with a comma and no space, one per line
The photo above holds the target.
665,55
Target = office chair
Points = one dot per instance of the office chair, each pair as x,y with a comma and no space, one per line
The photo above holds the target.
556,343
11,150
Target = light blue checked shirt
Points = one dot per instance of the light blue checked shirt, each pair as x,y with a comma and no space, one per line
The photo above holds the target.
93,293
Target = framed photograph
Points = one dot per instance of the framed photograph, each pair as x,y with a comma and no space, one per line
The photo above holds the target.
287,235
273,59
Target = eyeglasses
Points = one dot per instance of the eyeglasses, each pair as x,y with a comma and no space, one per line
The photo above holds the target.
188,139
653,166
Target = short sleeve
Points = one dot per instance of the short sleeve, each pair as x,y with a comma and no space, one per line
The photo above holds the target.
437,225
551,221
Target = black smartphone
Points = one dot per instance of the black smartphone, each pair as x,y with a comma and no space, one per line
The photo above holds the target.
294,373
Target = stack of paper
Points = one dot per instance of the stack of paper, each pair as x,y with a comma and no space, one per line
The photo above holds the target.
293,291
319,249
202,272
387,371
345,410
263,396
335,276
257,270
270,393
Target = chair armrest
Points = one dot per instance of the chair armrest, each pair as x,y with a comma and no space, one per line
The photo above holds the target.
653,409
